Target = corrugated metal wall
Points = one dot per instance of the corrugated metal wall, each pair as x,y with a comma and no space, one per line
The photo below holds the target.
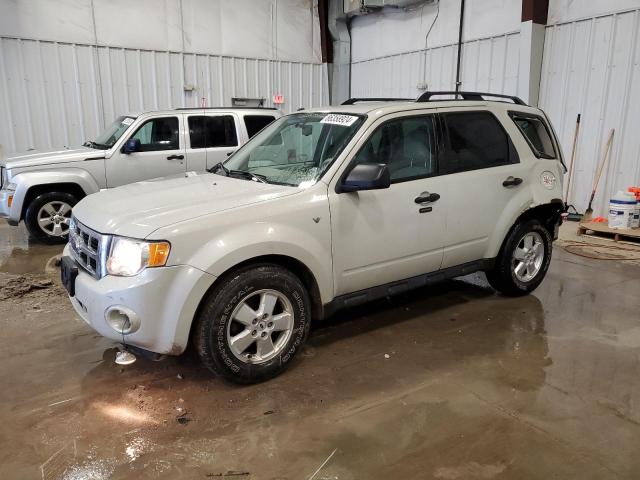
488,64
56,94
592,67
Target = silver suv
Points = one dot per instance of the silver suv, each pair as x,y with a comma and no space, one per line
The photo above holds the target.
323,209
42,187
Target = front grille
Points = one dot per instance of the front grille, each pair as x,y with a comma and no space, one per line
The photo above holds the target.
89,248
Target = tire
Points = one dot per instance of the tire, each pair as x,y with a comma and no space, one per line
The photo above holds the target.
248,360
46,206
515,277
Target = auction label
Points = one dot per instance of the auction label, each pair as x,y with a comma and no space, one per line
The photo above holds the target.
337,119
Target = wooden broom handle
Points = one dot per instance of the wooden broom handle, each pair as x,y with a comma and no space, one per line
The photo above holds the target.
604,160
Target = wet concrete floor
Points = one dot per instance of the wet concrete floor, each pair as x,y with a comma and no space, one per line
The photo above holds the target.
453,382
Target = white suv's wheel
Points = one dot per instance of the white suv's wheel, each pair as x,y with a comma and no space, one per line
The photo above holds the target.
251,325
48,215
523,260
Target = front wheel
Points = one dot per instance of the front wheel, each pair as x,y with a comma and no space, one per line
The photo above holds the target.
523,260
48,215
252,325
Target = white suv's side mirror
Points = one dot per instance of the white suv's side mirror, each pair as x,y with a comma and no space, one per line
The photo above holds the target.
131,145
366,176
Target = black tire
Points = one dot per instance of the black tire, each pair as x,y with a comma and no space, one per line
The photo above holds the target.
33,210
214,321
503,277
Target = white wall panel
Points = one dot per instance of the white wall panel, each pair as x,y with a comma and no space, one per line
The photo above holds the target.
591,67
61,94
489,64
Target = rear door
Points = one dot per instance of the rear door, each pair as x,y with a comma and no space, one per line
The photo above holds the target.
478,163
162,152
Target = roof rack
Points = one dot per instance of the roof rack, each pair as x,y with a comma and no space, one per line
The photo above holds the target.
226,108
426,96
351,101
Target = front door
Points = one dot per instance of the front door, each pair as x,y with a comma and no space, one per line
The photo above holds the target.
161,153
380,236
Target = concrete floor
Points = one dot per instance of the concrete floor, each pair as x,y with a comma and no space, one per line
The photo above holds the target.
454,382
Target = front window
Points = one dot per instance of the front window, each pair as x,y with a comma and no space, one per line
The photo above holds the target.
111,134
296,149
158,134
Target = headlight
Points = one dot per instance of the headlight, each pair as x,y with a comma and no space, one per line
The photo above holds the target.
11,187
129,257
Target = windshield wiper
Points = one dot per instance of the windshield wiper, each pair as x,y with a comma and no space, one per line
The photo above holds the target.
251,176
92,144
219,166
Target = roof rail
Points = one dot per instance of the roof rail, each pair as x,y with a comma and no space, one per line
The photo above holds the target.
226,108
351,101
426,96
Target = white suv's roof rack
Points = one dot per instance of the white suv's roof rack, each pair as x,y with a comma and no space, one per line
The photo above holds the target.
473,96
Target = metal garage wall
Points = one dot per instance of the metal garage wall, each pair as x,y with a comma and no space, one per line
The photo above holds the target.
60,94
488,64
592,66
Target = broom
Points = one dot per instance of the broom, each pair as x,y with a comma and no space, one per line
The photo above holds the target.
588,214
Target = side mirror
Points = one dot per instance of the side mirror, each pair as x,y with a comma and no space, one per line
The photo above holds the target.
366,176
131,145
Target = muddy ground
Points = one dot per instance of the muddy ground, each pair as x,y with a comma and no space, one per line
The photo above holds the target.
453,382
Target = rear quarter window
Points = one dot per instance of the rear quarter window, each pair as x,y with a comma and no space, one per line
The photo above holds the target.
255,123
536,133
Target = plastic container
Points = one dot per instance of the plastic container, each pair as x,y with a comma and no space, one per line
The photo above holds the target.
623,208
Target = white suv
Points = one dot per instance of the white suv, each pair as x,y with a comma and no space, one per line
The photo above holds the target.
42,187
323,209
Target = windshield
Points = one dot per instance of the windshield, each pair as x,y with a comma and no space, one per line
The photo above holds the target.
296,149
111,134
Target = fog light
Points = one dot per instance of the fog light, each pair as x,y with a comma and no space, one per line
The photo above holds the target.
122,319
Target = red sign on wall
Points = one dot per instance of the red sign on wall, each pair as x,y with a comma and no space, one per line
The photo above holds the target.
278,99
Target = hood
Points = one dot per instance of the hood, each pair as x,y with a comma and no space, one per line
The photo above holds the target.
138,209
36,158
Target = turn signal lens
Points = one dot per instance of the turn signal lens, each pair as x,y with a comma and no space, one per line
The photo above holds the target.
9,200
158,254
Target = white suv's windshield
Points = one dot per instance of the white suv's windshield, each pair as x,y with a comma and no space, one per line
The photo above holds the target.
111,134
294,150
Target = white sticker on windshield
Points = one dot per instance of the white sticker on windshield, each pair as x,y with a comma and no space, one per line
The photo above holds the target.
127,121
337,119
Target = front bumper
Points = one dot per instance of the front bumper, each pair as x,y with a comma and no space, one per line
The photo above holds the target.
165,300
11,214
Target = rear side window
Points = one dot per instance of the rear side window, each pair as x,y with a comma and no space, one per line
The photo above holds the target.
475,140
214,131
255,123
536,133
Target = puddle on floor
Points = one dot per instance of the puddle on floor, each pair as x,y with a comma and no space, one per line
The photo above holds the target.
19,254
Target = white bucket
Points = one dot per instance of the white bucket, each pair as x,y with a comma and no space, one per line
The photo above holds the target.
623,209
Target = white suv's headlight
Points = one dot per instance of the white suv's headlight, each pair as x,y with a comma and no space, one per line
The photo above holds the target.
128,257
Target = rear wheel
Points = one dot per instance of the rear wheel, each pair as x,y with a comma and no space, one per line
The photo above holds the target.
252,325
523,261
48,215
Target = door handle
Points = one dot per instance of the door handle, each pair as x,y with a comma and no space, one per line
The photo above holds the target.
427,197
175,157
512,182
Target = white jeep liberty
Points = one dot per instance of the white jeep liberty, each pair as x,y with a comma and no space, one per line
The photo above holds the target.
42,187
323,209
